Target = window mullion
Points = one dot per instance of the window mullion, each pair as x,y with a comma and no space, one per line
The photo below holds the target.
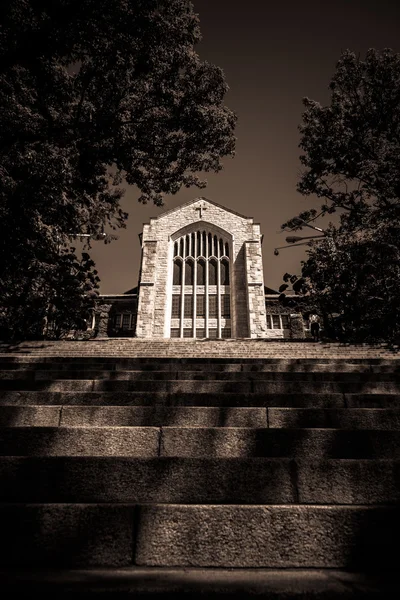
206,297
194,296
182,299
219,298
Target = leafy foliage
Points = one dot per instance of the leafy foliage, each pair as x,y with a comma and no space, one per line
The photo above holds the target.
93,92
352,159
50,299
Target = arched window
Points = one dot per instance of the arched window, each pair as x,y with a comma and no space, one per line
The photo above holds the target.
189,272
201,308
201,272
177,279
212,274
224,272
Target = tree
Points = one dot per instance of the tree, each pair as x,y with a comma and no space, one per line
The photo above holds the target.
351,161
50,299
93,92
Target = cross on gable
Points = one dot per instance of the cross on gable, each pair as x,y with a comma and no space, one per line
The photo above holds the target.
200,209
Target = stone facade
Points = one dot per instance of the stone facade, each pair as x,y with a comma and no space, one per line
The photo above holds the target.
201,276
235,239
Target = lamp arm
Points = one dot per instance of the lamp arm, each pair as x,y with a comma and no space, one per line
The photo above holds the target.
293,245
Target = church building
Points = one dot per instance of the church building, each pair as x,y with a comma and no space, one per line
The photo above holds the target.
201,276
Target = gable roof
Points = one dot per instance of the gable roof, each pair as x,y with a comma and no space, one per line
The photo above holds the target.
270,291
132,291
172,210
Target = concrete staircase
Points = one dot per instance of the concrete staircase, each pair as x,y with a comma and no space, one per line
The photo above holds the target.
141,468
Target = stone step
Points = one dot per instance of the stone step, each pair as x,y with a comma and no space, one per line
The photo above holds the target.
167,480
192,416
220,399
204,386
199,442
268,536
226,536
208,355
21,377
233,348
190,363
214,367
200,583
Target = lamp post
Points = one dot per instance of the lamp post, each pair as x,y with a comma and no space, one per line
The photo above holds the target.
293,239
80,235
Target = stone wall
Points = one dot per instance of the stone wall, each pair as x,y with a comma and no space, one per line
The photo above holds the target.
102,319
147,287
255,288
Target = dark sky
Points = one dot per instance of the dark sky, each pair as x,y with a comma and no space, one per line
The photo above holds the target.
273,54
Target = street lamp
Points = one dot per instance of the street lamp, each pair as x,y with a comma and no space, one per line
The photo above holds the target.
292,239
296,238
79,235
88,235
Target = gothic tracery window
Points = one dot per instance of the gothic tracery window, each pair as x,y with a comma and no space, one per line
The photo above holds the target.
201,286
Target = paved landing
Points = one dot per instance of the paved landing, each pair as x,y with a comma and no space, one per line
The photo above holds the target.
204,583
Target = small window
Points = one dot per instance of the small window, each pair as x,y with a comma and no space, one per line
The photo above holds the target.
175,333
212,333
188,309
285,321
226,332
225,305
201,267
177,278
187,246
226,249
212,306
176,306
224,272
188,333
189,272
126,321
198,243
117,321
176,249
276,322
200,305
212,277
200,333
269,323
